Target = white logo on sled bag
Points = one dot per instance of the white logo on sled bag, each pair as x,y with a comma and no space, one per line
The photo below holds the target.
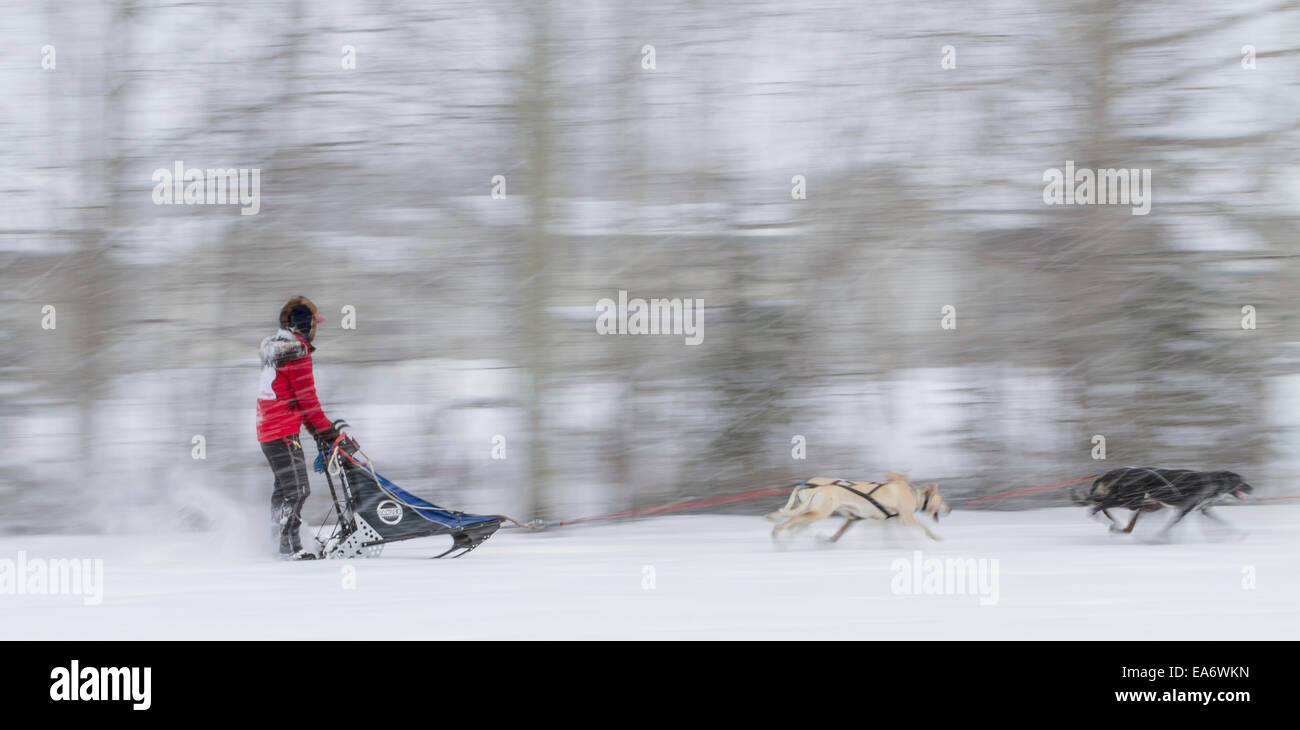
390,512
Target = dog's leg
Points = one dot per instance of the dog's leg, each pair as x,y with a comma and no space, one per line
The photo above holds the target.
1215,517
1218,520
776,531
1182,512
1131,523
1111,522
909,519
796,523
848,522
816,508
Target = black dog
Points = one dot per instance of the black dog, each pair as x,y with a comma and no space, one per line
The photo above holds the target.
1147,489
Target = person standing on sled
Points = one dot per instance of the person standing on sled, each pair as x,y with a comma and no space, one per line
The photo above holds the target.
287,401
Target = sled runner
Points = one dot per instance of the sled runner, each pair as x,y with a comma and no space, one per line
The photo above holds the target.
370,511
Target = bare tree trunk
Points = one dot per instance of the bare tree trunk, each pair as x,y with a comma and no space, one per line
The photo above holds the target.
538,143
96,283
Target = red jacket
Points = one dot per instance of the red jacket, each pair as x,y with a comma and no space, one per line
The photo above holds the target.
287,397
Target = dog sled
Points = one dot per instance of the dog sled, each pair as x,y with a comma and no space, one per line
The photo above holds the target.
369,511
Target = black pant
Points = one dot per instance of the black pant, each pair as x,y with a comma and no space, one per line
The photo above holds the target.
291,490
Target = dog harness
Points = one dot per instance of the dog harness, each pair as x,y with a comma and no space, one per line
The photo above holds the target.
867,496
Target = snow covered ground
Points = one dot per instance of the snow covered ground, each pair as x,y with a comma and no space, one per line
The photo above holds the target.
1058,575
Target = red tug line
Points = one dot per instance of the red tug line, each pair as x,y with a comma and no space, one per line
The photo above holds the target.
1030,490
782,491
725,499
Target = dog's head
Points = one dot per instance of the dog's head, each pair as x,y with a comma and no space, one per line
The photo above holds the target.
932,503
1236,486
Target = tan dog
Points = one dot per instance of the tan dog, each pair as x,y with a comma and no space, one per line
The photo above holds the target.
821,497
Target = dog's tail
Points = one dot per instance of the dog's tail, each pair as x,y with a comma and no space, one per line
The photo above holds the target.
796,491
1085,494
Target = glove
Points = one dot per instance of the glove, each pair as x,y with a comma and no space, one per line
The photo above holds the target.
322,451
327,436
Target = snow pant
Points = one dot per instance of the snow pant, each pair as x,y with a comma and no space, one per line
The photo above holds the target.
291,490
